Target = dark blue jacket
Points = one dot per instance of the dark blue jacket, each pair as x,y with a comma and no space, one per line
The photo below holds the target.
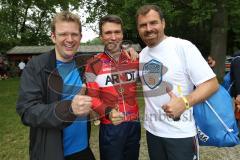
40,107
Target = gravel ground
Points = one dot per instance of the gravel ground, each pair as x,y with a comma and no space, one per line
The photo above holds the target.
224,153
206,153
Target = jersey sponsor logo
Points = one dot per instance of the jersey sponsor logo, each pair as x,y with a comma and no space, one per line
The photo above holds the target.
122,77
152,73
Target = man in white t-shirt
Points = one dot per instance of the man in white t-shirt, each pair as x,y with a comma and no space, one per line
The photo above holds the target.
169,69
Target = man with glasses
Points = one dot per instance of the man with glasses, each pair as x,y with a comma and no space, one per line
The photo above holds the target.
51,97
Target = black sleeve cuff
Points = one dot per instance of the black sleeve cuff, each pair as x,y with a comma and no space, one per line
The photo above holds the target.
64,112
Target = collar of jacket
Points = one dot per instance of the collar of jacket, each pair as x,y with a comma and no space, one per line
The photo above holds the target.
80,59
122,56
51,65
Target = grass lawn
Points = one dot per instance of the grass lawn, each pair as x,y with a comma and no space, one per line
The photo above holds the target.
14,135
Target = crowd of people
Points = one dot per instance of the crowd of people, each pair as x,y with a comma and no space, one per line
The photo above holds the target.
12,69
60,89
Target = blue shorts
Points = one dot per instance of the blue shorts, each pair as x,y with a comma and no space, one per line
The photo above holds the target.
120,142
172,148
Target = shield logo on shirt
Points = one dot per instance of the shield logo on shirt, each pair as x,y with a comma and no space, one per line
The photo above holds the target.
152,73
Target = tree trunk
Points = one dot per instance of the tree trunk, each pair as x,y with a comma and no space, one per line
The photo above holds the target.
219,39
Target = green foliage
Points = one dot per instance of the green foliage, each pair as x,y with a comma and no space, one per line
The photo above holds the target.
233,7
95,41
27,22
190,19
7,44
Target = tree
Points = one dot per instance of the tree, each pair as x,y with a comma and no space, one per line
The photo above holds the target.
219,35
213,26
95,41
27,22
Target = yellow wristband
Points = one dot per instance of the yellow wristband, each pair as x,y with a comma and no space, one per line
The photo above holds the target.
187,106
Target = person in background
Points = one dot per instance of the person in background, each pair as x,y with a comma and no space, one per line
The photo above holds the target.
211,62
52,100
111,82
3,69
235,78
21,66
169,71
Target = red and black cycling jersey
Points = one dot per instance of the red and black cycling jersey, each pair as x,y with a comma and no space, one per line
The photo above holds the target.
113,84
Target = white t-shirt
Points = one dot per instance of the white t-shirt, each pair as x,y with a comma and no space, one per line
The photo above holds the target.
21,65
175,63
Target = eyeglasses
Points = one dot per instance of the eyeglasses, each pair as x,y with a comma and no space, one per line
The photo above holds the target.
66,35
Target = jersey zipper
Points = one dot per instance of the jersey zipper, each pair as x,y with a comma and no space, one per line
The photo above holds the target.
121,93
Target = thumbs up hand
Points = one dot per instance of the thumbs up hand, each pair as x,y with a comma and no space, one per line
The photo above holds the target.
175,107
116,116
81,104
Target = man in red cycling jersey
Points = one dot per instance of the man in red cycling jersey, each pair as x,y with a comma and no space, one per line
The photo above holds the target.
111,80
